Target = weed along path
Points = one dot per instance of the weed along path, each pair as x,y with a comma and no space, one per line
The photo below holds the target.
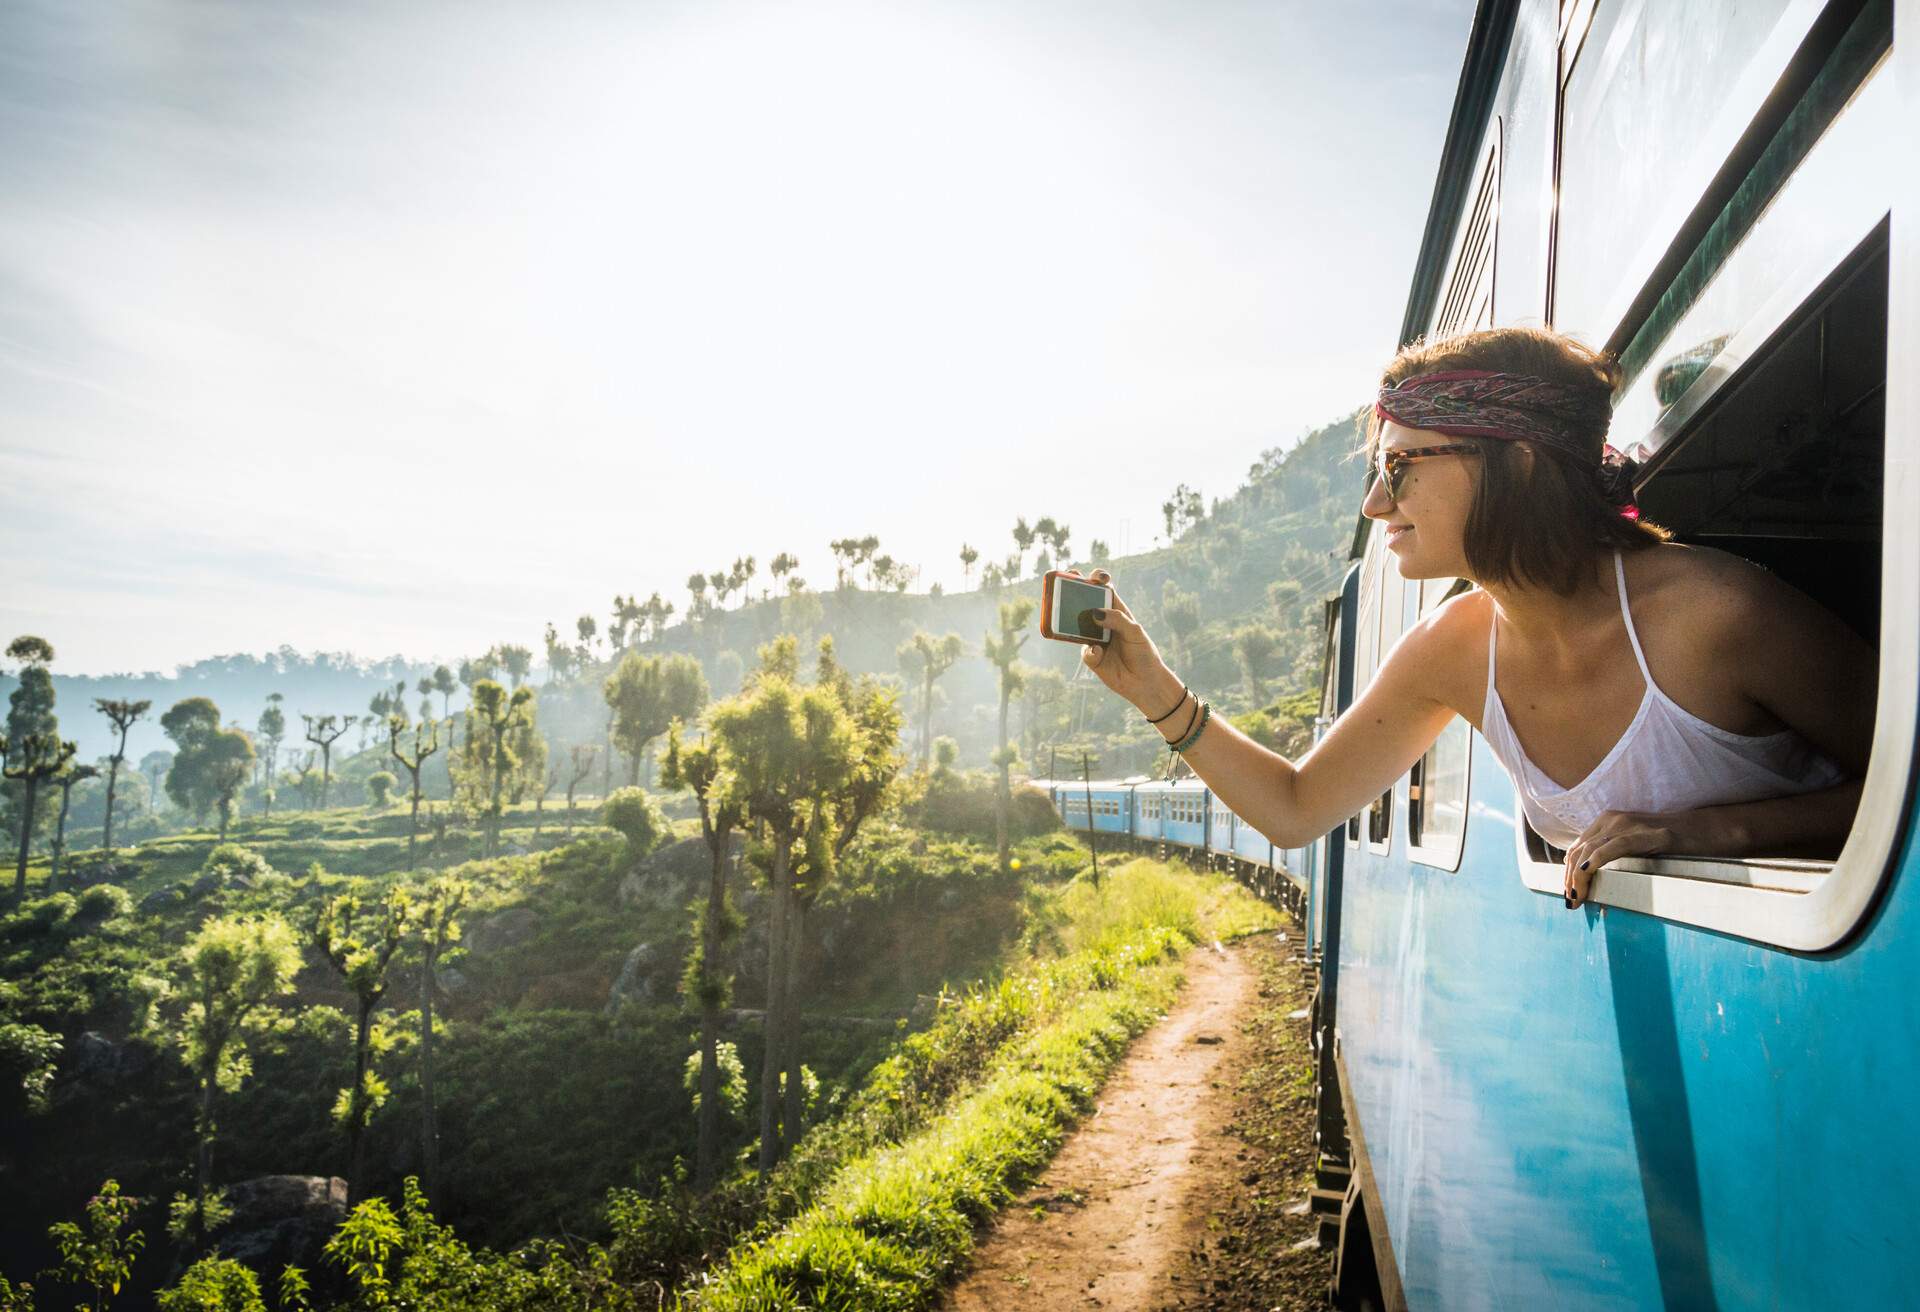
1112,1221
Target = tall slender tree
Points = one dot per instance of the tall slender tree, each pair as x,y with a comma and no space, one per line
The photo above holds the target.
789,747
702,770
219,989
358,937
122,714
968,555
29,713
323,731
411,762
31,762
1003,650
66,779
436,922
646,695
272,730
924,658
581,756
497,725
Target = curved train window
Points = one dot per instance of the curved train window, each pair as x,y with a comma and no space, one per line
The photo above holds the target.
1389,622
1758,397
1655,96
1437,787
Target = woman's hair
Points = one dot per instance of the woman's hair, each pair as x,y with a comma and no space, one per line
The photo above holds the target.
1539,522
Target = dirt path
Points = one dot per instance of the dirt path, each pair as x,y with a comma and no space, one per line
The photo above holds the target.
1118,1219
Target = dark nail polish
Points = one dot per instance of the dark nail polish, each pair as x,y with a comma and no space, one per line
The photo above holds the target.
1568,899
1583,865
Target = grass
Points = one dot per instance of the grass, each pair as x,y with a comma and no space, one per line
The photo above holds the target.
888,1227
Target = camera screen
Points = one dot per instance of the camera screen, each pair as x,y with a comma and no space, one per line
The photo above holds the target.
1072,602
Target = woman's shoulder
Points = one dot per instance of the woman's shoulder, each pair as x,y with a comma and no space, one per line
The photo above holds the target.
1716,590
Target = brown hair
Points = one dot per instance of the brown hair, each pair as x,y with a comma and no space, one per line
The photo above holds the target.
1540,522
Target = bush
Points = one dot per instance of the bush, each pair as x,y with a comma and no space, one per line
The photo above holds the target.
637,818
214,1284
380,786
104,902
235,864
52,911
963,804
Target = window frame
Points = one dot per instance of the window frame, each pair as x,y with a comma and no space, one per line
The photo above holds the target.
1449,854
1795,905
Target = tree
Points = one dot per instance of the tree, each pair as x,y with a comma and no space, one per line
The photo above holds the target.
444,683
154,765
411,763
272,728
220,989
703,771
438,927
228,765
1003,650
1181,511
788,747
516,660
380,786
1181,610
33,761
358,937
648,693
323,731
967,556
494,722
1022,539
1099,553
560,657
1255,646
783,564
29,714
582,756
924,658
66,779
587,629
1042,694
101,1255
122,714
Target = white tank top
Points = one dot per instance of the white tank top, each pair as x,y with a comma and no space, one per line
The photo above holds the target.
1669,759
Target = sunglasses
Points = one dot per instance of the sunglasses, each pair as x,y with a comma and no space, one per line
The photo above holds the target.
1391,466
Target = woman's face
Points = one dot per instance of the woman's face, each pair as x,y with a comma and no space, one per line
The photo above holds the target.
1426,524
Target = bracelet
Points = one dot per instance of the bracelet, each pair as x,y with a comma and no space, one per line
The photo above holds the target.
1184,692
1186,744
1192,720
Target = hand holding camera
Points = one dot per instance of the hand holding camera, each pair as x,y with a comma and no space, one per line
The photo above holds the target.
1087,610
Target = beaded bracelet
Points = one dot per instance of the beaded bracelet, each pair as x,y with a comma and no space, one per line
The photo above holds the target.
1186,744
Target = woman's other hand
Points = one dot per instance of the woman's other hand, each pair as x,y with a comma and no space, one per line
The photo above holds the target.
1612,835
1129,664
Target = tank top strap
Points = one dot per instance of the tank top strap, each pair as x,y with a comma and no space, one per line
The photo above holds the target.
1626,614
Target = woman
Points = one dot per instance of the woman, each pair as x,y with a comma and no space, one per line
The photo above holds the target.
1645,697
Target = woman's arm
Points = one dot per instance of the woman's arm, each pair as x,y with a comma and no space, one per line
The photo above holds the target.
1375,742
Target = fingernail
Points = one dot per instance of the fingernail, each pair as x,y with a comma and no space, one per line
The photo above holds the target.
1568,899
1583,865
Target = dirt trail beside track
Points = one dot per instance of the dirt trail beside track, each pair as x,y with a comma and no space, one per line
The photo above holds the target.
1127,1213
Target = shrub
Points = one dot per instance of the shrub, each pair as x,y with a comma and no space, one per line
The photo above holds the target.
380,786
52,911
963,804
104,902
214,1284
235,864
637,818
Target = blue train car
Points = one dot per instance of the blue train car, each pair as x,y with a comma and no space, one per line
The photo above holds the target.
1688,1093
1152,809
1187,816
1109,803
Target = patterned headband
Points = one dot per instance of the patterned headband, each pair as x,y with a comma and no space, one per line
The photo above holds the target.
1517,408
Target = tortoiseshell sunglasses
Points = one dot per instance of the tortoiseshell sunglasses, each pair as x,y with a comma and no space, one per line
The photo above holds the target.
1391,466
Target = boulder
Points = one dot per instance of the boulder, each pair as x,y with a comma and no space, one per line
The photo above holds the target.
672,871
99,1060
160,898
281,1219
635,983
501,930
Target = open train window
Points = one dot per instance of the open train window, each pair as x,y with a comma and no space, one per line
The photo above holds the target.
1762,407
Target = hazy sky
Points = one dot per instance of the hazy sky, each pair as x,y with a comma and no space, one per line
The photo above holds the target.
407,328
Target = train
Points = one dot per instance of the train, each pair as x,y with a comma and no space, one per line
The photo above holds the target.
1691,1091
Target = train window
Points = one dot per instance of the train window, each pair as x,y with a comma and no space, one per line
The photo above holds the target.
1468,302
1437,798
1786,466
1656,97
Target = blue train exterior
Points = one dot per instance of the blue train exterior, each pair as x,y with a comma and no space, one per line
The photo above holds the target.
1692,1092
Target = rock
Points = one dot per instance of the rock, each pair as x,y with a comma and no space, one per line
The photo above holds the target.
281,1219
160,898
501,930
201,887
98,1059
672,871
452,980
635,981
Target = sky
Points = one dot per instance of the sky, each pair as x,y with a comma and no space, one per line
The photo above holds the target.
409,328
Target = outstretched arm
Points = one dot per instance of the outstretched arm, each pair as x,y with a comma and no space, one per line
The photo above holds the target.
1377,740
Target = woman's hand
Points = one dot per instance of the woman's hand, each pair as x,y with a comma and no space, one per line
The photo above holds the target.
1612,835
1129,664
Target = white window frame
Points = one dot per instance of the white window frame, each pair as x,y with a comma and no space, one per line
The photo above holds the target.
1799,905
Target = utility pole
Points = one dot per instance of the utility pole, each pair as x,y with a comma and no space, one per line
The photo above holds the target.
1093,836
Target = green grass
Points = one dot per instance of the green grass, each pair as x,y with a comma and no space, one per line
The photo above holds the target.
1019,1063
